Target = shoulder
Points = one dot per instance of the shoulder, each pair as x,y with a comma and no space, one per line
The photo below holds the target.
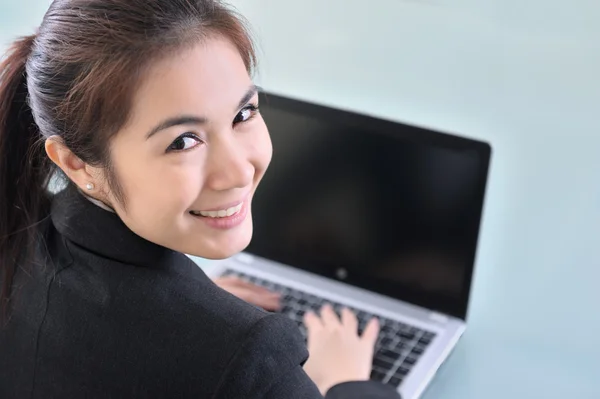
178,328
180,299
272,348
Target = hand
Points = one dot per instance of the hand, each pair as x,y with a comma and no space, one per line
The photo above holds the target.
251,293
337,353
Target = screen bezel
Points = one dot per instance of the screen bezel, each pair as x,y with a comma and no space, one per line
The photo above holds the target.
415,134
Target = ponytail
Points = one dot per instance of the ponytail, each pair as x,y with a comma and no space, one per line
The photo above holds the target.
24,171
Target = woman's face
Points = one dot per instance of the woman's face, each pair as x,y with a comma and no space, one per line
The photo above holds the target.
191,156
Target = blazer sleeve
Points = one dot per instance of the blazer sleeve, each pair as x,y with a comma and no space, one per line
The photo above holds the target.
269,365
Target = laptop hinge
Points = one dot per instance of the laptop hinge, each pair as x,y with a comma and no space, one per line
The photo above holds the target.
438,317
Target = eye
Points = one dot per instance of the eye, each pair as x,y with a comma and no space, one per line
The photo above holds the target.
185,142
245,114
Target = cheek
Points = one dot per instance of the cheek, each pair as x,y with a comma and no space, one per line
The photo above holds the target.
169,190
155,188
262,150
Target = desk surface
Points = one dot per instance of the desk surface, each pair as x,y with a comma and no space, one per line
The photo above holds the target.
497,359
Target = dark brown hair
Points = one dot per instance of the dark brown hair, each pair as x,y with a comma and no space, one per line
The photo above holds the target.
76,79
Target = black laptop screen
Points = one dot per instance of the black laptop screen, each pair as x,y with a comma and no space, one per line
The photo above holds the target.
384,206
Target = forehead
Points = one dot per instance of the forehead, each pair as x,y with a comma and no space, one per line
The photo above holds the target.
205,78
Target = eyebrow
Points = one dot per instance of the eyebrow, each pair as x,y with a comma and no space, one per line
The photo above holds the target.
197,120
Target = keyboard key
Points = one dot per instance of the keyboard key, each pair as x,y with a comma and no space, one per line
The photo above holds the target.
417,350
402,326
388,353
391,336
386,341
316,308
425,340
379,369
383,363
337,308
400,347
361,327
377,375
402,371
395,381
409,361
387,329
388,322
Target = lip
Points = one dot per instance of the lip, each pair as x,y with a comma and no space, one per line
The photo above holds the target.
225,206
227,222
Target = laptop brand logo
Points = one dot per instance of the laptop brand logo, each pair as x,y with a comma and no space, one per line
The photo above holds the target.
341,273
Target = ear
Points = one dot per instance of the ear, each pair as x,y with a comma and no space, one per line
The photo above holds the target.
78,171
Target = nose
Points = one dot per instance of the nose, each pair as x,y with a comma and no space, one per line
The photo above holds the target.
229,166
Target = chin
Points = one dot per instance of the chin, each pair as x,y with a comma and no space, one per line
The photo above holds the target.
219,255
225,247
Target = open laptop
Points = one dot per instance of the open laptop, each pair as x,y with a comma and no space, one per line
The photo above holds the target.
374,215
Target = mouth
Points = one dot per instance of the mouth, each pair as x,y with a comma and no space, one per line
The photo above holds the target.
219,214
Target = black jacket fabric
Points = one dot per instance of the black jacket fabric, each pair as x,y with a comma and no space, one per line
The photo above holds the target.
103,313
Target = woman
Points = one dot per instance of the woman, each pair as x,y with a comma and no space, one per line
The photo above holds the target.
148,109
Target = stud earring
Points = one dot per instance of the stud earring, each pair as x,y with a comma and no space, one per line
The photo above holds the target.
89,186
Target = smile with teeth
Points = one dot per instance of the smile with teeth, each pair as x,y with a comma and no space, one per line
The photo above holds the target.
220,213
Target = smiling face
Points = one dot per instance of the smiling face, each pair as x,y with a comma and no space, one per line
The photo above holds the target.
192,154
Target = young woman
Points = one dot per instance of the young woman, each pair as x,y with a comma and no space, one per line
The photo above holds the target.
148,110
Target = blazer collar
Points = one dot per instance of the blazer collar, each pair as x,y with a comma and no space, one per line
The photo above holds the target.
104,233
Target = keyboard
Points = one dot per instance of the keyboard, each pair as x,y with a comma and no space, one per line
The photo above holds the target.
399,345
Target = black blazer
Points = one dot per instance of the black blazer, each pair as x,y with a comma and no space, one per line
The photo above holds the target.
106,314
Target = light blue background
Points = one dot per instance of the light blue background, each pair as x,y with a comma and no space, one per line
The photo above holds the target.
520,74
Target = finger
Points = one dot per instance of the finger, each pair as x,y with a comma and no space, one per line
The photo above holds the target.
262,290
225,281
267,301
349,320
234,281
240,282
312,322
371,332
256,288
329,317
243,284
254,297
237,280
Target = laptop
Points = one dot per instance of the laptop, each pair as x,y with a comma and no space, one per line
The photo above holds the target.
374,215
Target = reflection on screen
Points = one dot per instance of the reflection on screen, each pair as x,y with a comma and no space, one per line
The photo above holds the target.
395,215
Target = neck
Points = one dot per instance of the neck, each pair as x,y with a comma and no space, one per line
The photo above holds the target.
97,202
